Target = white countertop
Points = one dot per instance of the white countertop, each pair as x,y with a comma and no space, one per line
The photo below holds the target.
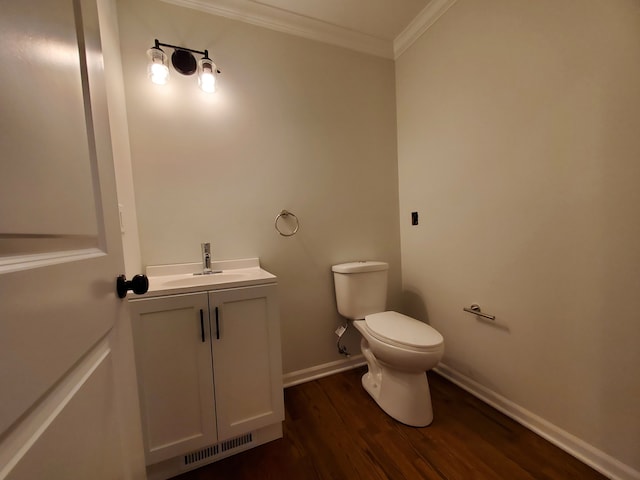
184,278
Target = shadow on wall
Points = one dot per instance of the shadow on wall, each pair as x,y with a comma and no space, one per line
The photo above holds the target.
413,305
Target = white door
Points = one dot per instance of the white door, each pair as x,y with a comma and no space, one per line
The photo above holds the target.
65,408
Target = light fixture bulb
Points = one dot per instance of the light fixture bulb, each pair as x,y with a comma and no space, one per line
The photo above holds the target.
208,82
157,69
207,73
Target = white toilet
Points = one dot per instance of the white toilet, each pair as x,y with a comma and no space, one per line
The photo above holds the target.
398,349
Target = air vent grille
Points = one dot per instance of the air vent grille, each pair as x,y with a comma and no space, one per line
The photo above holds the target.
200,455
236,442
217,449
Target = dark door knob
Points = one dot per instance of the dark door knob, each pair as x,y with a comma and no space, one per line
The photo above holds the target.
139,284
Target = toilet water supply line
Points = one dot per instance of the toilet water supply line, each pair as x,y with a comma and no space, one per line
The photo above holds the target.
340,332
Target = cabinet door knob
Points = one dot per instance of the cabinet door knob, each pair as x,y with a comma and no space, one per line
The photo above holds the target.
139,284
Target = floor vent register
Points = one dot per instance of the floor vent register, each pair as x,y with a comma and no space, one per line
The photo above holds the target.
217,449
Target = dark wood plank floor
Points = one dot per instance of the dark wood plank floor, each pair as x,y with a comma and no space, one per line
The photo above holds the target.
334,430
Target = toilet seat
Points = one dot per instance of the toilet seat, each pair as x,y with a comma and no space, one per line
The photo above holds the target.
402,331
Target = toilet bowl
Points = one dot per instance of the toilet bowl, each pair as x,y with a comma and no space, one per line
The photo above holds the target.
398,349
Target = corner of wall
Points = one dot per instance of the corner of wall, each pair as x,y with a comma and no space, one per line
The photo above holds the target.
423,21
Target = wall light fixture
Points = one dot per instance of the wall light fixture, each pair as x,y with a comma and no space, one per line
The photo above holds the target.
184,62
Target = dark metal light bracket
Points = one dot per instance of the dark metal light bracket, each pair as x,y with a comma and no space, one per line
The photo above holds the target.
182,58
184,62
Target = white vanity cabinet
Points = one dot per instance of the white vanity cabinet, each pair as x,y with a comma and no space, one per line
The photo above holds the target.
209,374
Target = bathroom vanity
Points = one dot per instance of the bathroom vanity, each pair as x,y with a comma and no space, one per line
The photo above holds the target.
208,363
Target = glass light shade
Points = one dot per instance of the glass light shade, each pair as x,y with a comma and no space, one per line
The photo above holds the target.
157,69
207,73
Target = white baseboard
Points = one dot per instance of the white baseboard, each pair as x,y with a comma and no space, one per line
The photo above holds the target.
324,370
586,453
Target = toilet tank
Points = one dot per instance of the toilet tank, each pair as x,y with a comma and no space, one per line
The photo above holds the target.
361,288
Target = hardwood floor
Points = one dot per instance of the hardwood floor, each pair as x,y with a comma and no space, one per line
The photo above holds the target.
334,430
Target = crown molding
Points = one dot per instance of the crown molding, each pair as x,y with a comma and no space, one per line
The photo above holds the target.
284,21
423,21
291,23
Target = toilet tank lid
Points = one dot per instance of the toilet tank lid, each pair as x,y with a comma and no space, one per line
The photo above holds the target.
359,267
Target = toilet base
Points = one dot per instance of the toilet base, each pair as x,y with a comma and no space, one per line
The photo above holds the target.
403,396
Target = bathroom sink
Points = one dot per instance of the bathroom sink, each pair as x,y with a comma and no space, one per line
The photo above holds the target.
184,278
212,279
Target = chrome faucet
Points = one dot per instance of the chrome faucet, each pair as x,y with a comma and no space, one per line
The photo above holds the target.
206,258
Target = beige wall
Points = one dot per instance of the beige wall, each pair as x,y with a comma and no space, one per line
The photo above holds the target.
518,144
296,125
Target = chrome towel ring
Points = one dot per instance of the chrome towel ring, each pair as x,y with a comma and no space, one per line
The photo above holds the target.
285,214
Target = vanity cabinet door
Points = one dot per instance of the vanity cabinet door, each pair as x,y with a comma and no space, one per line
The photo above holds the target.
175,381
245,339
